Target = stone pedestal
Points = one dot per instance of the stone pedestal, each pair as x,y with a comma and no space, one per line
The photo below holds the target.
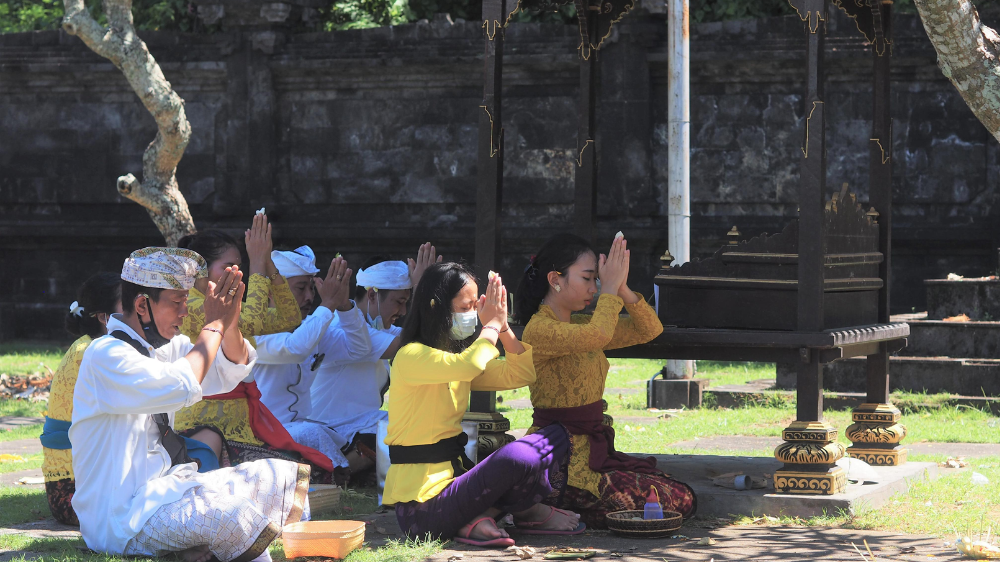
809,454
493,429
876,434
675,393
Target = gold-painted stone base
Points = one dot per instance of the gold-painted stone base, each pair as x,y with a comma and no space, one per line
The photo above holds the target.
879,457
831,482
809,431
876,434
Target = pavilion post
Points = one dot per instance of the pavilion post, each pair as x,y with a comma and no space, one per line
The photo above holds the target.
810,450
876,432
585,192
489,196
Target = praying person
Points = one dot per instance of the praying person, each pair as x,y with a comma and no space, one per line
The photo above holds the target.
433,485
265,282
287,365
138,493
99,298
572,369
247,428
348,393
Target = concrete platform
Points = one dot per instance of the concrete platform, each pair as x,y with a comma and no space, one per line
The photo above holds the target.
715,501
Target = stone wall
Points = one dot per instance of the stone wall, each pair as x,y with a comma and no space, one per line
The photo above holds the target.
364,142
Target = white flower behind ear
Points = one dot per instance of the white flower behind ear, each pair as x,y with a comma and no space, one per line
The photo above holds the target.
75,309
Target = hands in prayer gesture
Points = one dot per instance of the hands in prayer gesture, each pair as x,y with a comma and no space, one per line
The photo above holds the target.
613,271
259,245
426,256
335,291
493,304
224,299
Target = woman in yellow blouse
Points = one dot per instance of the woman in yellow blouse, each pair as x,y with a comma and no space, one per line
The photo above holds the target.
431,482
99,297
572,368
221,250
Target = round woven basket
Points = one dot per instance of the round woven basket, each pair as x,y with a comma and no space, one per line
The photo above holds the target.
622,523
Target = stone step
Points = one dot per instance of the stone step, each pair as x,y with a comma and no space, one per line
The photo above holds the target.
937,338
964,377
739,396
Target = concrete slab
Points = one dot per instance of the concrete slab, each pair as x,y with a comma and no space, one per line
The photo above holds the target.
14,422
715,501
12,478
784,543
969,450
21,447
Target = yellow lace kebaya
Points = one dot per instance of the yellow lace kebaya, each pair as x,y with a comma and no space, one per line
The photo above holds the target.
57,464
571,367
256,318
231,417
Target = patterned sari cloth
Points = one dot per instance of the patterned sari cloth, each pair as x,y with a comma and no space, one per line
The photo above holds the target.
571,372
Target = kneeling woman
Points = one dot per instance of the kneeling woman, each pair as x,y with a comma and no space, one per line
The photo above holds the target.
435,489
572,369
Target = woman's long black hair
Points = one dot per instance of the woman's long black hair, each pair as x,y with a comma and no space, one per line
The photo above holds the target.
557,254
209,244
99,293
429,318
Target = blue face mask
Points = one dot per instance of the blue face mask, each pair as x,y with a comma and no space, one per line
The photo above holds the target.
376,322
463,324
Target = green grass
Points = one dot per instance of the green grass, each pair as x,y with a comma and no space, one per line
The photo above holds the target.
21,505
25,358
29,462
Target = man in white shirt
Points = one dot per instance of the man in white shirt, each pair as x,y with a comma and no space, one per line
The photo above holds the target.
138,493
286,362
348,394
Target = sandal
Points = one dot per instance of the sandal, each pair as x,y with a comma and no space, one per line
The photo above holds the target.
500,541
532,527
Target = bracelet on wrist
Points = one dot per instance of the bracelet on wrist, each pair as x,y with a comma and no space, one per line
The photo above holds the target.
492,328
507,329
216,330
274,276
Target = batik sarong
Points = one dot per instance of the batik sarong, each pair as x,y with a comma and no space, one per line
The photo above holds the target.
237,512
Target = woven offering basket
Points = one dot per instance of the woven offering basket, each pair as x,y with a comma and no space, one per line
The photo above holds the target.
622,523
329,539
323,497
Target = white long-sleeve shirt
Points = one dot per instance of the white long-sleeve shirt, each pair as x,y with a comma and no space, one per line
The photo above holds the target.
347,395
123,472
287,363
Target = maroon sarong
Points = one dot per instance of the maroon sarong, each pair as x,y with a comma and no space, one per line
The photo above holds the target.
589,420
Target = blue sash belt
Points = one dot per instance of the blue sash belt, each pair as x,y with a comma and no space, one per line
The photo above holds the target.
55,434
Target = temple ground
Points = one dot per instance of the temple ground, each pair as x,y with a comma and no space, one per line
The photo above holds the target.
917,523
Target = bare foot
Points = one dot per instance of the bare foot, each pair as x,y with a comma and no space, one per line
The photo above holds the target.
486,530
197,554
554,519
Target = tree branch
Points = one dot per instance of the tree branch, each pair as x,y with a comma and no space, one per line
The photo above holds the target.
967,54
158,192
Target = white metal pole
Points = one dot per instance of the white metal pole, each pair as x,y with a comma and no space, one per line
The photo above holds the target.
679,150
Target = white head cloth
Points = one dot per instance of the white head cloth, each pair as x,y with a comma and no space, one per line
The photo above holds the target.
388,276
164,268
301,261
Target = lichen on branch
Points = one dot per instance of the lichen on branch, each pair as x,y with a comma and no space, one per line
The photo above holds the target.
158,191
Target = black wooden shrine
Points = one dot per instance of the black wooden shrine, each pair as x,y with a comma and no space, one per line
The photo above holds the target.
812,294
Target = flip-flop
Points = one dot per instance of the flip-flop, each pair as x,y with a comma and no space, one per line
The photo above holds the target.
531,527
502,541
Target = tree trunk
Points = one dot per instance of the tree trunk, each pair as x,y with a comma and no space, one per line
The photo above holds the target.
158,191
967,54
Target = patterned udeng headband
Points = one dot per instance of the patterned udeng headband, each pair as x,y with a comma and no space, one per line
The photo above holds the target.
164,268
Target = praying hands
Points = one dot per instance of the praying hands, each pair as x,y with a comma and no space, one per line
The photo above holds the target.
613,271
426,256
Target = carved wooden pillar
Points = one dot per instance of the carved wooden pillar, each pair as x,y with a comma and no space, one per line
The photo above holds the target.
482,405
810,450
876,431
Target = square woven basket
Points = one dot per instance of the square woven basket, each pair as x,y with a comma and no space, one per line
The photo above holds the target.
329,539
